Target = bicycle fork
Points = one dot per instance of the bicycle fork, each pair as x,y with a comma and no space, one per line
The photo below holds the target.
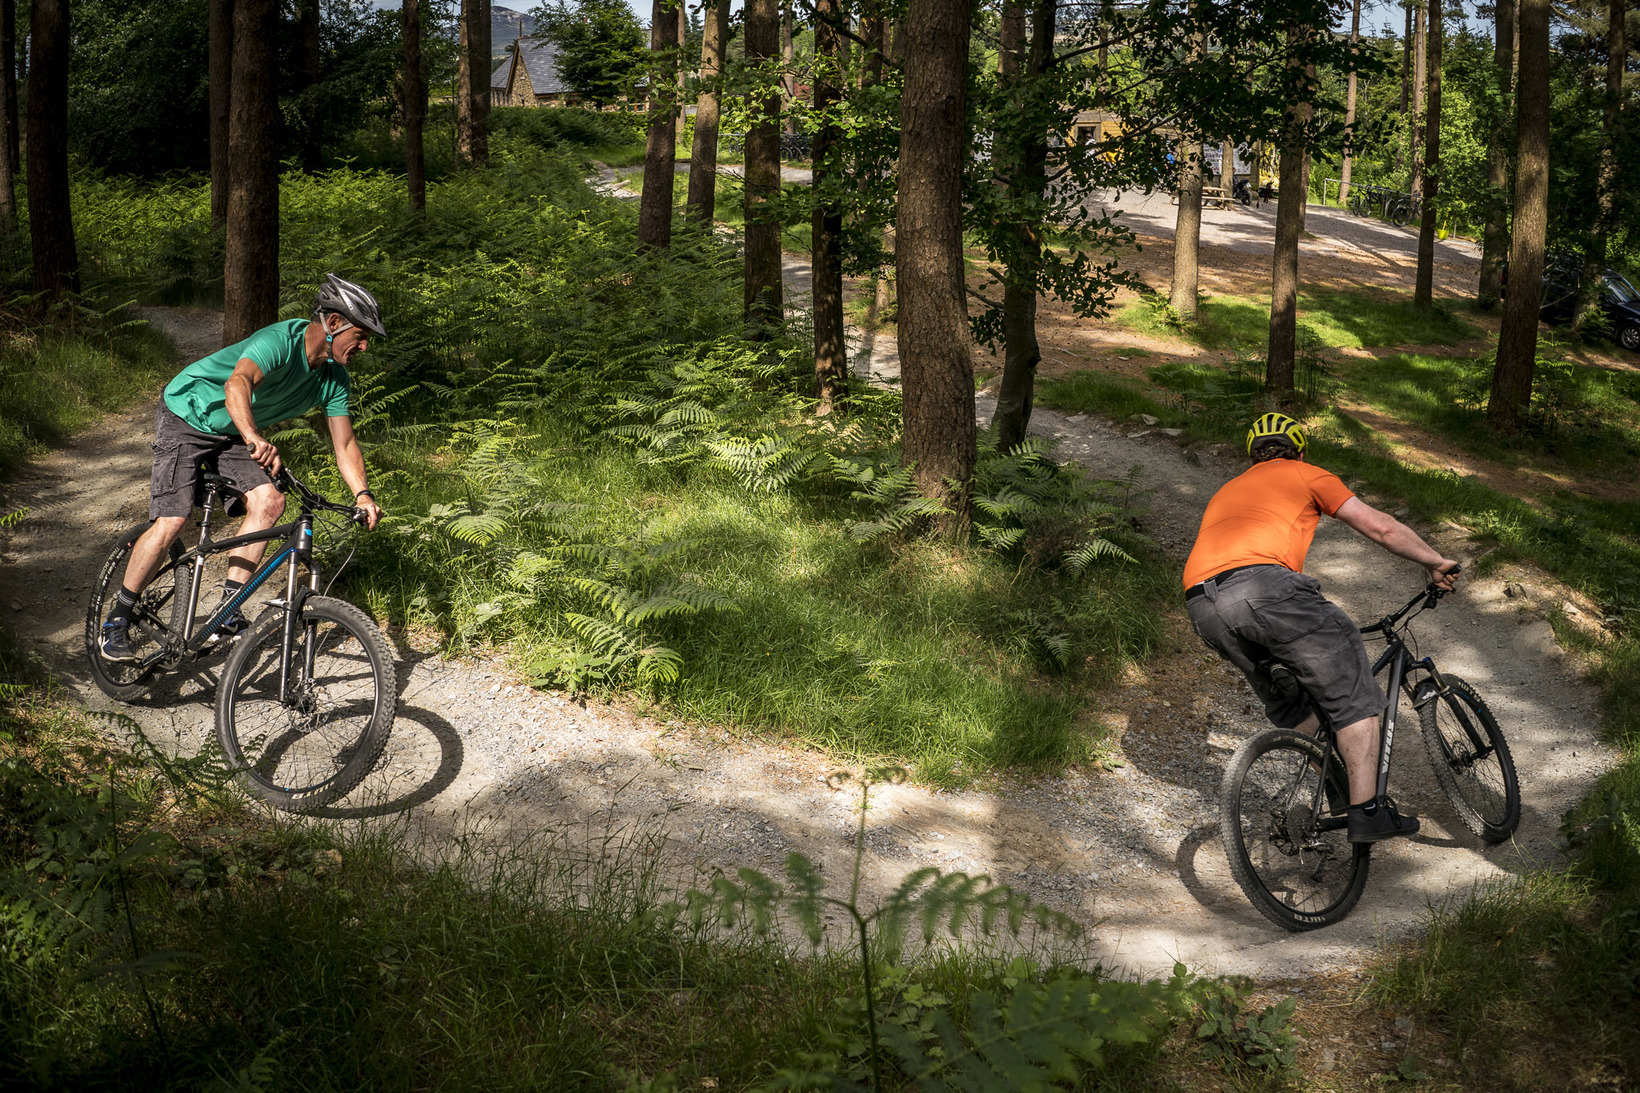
294,599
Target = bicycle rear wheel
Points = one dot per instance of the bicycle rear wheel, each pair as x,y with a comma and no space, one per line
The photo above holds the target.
1285,837
1472,761
308,747
158,614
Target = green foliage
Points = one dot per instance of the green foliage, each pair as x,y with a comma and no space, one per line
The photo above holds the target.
602,47
1237,1039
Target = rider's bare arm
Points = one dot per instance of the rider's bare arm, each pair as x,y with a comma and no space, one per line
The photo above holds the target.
350,462
237,393
1397,538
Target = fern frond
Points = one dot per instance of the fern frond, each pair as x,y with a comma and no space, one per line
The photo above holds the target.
1084,556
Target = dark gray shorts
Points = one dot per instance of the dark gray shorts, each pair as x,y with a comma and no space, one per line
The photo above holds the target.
1271,612
179,452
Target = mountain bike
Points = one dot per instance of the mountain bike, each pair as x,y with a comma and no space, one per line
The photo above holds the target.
308,692
1283,800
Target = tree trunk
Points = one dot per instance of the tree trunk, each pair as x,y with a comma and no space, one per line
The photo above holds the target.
1511,393
702,201
764,299
1278,375
1227,167
473,84
1423,293
871,72
1607,222
937,373
307,12
221,82
251,272
415,107
660,152
1022,352
1304,184
830,355
50,221
1187,232
680,116
8,116
1406,62
1420,75
1495,235
14,130
788,57
1349,111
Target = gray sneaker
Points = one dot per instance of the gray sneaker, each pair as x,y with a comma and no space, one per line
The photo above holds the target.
234,624
1382,822
115,645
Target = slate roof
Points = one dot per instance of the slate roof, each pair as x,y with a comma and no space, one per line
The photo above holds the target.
498,78
540,58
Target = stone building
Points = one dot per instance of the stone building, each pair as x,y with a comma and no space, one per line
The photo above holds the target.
529,77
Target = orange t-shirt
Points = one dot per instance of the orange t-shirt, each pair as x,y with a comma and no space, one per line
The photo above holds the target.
1264,516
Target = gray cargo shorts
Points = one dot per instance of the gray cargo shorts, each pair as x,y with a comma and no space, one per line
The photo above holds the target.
179,452
1269,612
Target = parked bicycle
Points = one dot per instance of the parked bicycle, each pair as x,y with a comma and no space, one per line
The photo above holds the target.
307,694
1381,201
1284,796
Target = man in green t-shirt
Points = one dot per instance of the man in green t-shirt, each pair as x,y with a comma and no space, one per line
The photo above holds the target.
214,412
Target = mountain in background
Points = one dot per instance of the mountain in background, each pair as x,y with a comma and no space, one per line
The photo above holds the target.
505,25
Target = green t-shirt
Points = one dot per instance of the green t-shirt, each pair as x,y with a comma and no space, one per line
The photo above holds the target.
288,388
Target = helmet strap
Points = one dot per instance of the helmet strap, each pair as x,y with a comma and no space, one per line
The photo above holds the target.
330,337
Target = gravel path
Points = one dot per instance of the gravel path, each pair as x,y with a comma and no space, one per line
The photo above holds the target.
1132,851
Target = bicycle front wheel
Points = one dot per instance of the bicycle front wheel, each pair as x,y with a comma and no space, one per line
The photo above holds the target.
305,746
158,614
1285,836
1472,761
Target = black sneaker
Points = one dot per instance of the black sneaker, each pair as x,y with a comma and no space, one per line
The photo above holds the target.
1382,822
115,645
234,624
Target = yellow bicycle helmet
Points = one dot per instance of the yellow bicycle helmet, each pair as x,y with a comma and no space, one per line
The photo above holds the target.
1276,427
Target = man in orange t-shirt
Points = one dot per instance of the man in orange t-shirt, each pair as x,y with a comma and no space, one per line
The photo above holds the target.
1250,601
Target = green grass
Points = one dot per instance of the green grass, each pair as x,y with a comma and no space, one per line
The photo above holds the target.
1344,319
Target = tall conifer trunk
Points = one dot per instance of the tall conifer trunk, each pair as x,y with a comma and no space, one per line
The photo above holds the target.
220,77
1495,234
414,89
680,116
702,200
1349,112
8,116
312,61
1511,393
826,230
1278,376
937,373
764,298
1420,73
251,271
1423,292
660,151
473,83
1592,283
50,221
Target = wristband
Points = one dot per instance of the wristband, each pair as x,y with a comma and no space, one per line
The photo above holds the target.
362,493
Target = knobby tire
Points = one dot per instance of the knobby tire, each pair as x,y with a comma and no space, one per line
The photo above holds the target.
1299,876
305,752
1480,782
162,604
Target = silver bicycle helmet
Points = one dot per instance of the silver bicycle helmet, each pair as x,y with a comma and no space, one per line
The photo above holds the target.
350,302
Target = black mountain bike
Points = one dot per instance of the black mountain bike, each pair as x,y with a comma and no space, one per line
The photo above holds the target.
1282,805
308,692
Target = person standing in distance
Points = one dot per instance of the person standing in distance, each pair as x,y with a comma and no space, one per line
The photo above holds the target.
214,412
1250,601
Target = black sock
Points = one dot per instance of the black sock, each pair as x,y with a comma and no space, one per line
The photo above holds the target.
230,589
1366,808
124,604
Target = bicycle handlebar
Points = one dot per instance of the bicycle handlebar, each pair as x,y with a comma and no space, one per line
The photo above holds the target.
1429,596
311,498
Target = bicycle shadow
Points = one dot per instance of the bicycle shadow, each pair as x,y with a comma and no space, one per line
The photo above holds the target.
415,768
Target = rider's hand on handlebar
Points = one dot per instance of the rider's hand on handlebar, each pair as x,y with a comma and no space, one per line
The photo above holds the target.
264,453
369,512
1444,576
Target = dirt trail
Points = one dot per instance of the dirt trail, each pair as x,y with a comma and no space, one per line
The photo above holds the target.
1133,851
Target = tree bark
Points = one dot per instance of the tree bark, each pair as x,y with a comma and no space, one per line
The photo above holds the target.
251,271
1420,72
826,240
14,130
1349,111
763,297
1406,63
875,28
1511,393
1187,232
307,12
702,201
415,107
1592,283
8,116
50,221
1423,292
680,115
1495,234
1279,369
937,374
1227,167
1022,351
220,77
473,84
788,57
660,151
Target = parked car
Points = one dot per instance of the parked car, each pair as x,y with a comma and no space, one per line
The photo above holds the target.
1619,300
